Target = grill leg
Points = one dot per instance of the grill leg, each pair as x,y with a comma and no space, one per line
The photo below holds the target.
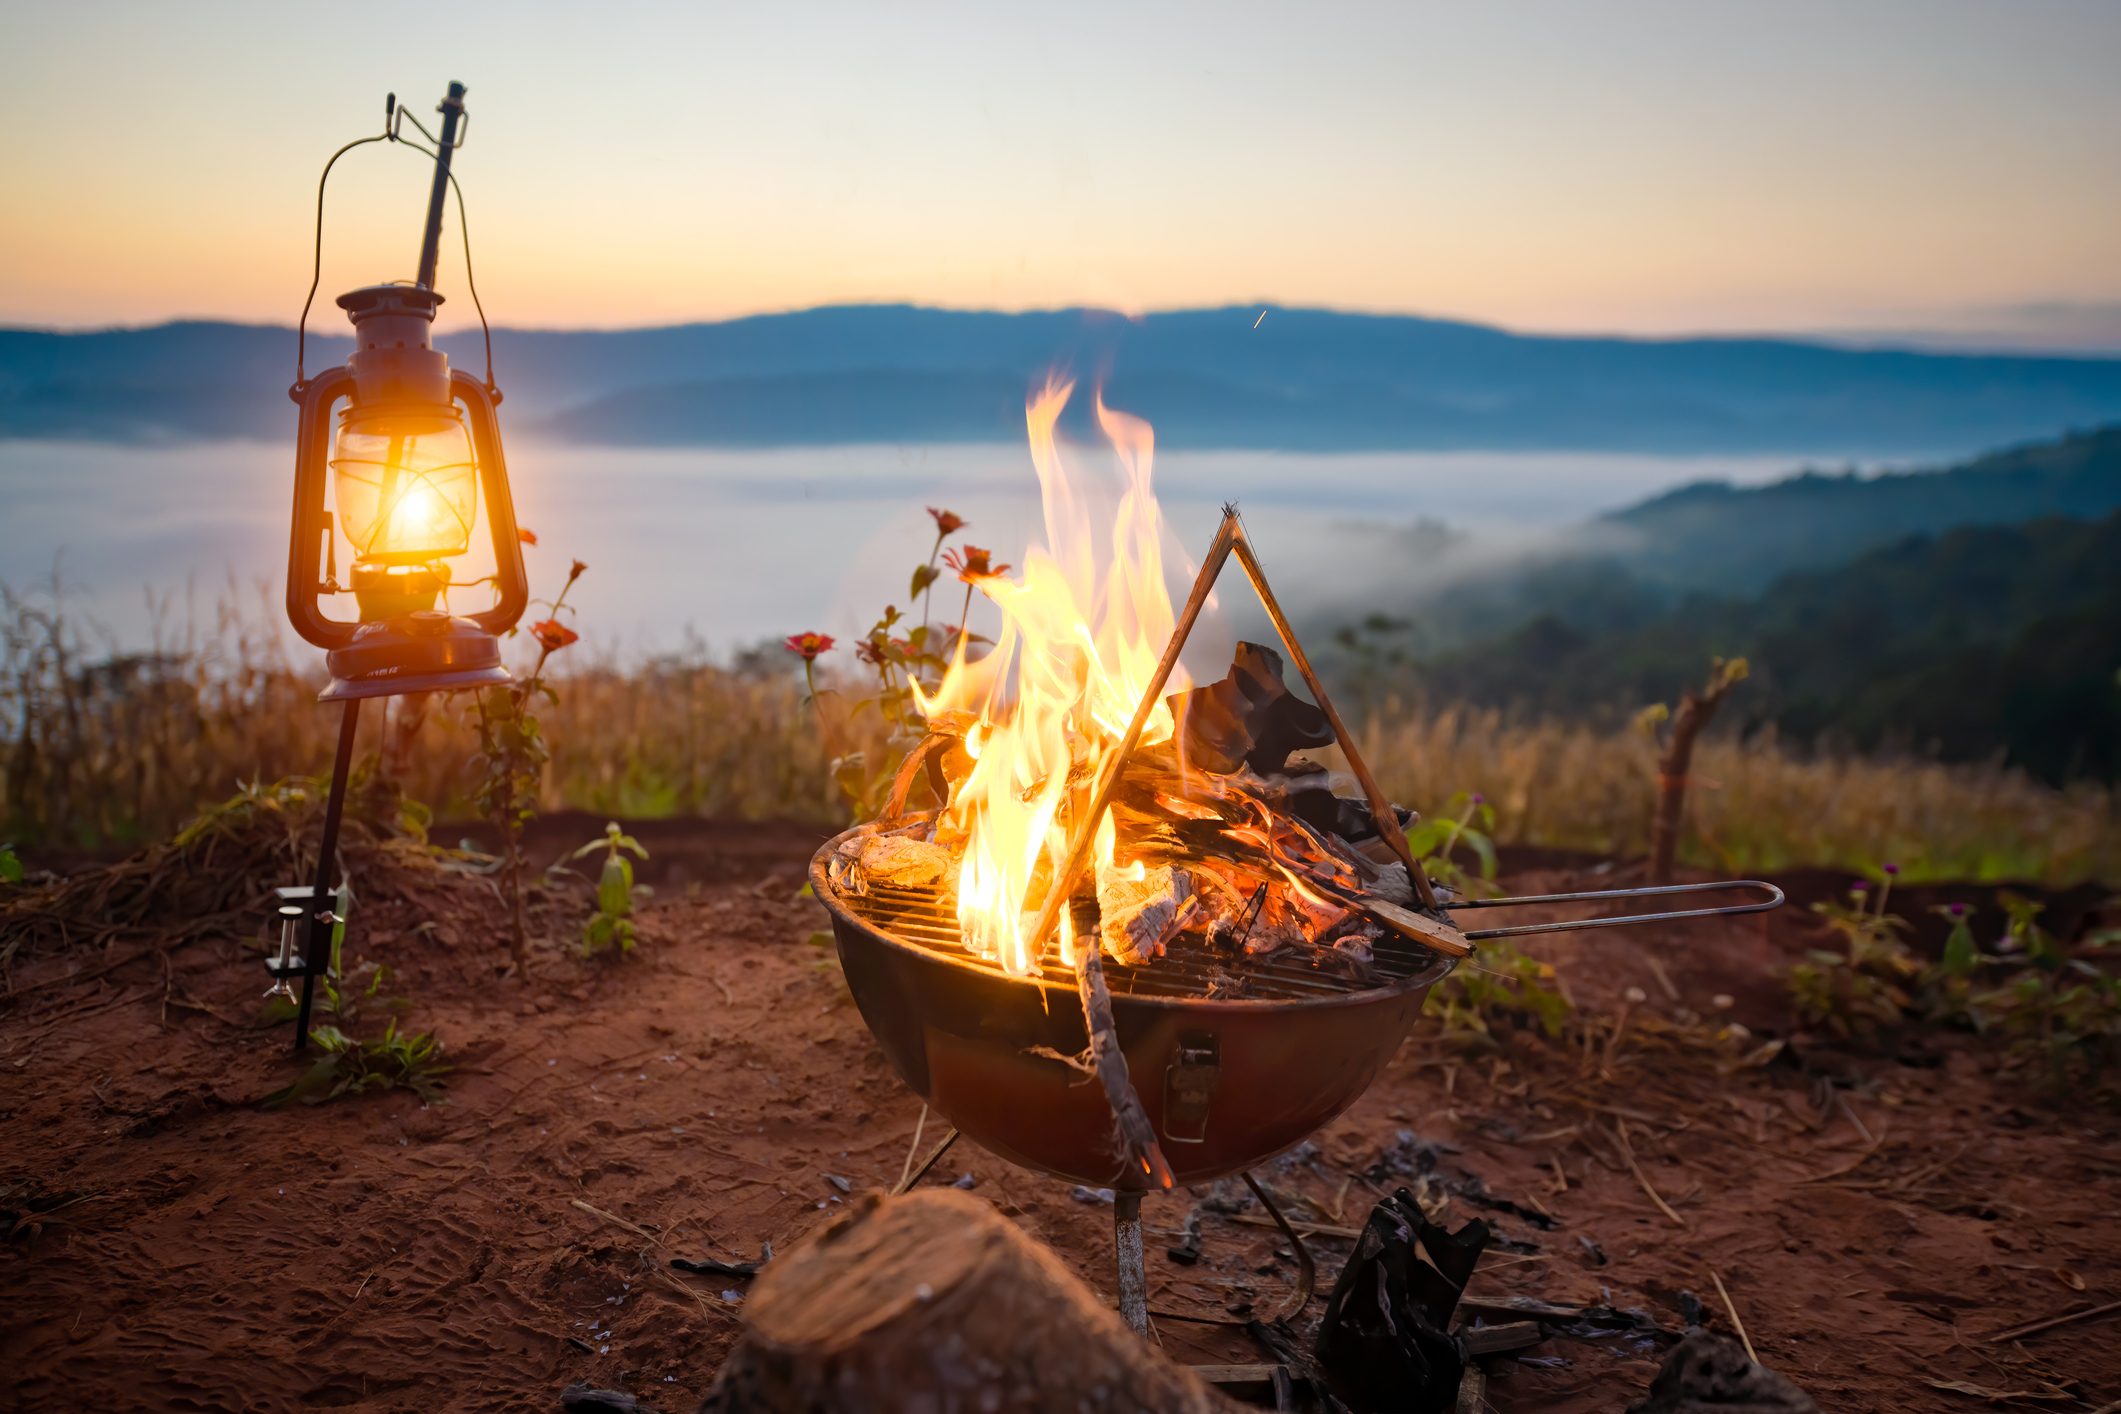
1133,1266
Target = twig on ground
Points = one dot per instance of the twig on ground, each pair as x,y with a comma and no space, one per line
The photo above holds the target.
906,1169
1627,1155
1731,1308
615,1220
2049,1323
1850,1110
1306,1271
906,1184
1852,1165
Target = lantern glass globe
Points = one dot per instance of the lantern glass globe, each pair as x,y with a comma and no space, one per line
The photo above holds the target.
405,484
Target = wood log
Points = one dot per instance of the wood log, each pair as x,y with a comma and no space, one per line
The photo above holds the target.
935,1302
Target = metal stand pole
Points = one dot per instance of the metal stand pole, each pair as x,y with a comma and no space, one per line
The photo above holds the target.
431,235
320,909
1133,1265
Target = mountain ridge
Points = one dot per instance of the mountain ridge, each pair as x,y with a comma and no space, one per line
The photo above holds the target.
1297,379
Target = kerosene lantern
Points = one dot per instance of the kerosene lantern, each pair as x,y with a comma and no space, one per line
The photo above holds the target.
408,448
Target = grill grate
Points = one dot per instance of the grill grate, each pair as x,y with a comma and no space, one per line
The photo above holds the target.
1190,966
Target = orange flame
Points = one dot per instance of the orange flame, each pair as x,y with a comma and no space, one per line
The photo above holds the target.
1083,628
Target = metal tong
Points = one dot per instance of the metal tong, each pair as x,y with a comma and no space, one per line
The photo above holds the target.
1771,898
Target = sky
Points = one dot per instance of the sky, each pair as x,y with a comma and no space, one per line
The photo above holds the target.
1915,170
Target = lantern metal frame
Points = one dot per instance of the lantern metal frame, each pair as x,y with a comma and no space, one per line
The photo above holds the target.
400,645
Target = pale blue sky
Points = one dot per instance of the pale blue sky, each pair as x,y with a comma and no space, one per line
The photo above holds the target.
1638,165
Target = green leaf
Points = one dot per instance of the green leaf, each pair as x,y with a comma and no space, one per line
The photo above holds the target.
923,576
10,866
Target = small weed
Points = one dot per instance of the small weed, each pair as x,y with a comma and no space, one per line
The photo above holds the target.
350,1067
1466,819
2056,1009
10,865
1499,985
1868,985
513,752
611,926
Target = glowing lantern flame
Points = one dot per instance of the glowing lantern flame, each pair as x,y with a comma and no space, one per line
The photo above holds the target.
1082,631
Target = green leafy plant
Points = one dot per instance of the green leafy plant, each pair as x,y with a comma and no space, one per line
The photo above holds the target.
1468,820
10,865
2057,1008
349,1067
1497,986
611,926
1868,984
510,761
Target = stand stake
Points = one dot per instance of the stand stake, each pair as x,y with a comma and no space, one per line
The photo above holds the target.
320,915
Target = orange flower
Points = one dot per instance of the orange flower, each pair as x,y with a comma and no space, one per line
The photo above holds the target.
808,645
574,571
552,635
972,566
525,534
946,522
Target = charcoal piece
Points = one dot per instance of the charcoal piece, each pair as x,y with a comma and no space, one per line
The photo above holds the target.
1386,1342
1249,718
1710,1374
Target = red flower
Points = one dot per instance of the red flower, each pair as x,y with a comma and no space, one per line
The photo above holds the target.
871,651
525,534
808,645
552,635
972,565
946,522
574,571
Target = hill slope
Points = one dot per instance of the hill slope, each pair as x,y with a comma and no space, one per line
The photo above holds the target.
1979,640
1299,379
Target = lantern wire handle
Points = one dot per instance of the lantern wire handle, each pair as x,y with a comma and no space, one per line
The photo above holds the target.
393,117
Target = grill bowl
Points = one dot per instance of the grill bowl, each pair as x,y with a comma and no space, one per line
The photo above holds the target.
1227,1081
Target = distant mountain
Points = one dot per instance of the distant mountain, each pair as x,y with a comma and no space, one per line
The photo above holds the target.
1629,568
1297,379
1975,642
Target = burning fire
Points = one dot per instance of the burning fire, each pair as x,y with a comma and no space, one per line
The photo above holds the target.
1082,631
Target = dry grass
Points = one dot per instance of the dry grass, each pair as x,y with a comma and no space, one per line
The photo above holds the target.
1754,804
103,749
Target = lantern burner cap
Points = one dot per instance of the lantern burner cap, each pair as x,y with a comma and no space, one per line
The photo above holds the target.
424,652
392,297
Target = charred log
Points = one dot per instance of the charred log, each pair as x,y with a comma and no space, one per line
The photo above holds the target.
1249,720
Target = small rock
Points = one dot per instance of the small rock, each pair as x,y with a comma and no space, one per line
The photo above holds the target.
581,1399
1710,1374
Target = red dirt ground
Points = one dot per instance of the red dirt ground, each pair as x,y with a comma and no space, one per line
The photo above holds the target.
1873,1218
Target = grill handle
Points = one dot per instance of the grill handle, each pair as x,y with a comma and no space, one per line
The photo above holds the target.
1771,898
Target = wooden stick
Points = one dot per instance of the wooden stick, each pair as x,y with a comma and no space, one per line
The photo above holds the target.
1732,1308
1472,1391
1381,808
2051,1322
1627,1154
1306,1271
1136,1134
905,1185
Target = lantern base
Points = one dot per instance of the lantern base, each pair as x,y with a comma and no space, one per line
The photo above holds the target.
423,652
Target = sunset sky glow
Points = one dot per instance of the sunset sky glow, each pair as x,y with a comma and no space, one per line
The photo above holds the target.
1920,165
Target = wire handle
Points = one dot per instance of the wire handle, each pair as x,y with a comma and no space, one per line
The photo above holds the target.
1772,899
394,117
